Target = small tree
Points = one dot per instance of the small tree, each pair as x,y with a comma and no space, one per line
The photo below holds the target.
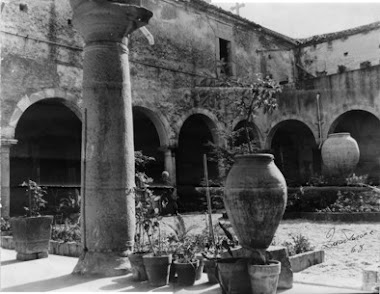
260,94
34,193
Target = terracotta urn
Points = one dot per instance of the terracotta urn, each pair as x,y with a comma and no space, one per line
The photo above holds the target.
340,154
255,199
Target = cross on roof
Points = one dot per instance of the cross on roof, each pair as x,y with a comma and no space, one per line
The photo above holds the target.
237,7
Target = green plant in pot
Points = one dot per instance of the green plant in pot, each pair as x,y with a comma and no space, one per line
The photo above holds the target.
158,262
31,233
143,209
255,189
187,264
143,229
214,249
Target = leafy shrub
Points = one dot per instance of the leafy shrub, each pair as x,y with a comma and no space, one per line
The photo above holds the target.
69,205
299,244
355,180
5,225
35,202
350,202
67,232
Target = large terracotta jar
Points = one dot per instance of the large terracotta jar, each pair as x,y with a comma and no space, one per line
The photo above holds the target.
340,154
255,199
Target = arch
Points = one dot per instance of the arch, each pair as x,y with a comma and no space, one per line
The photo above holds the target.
150,137
364,127
331,120
276,123
160,122
296,152
48,151
209,118
66,98
196,131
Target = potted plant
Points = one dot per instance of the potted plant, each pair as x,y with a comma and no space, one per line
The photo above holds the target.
143,209
158,262
186,264
31,233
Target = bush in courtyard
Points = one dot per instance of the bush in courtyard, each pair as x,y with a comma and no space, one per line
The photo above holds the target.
351,202
5,225
299,244
67,232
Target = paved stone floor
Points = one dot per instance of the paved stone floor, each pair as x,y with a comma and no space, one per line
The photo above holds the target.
54,274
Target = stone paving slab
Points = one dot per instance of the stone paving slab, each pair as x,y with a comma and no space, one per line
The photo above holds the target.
54,274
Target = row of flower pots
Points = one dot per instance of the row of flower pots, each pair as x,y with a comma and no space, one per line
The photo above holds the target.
160,270
235,275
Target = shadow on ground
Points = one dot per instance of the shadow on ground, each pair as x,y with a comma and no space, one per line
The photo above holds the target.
49,284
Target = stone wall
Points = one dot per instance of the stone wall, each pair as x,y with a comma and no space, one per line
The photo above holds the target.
343,51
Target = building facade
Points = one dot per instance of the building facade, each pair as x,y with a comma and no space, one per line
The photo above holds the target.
330,85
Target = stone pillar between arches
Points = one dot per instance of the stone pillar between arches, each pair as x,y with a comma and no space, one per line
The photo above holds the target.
5,176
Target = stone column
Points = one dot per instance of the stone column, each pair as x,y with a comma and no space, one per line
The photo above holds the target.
170,165
5,176
108,207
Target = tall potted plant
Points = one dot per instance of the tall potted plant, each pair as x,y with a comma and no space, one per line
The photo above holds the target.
187,265
158,262
255,189
143,209
31,233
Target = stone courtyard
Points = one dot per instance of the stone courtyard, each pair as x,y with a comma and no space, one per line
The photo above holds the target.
113,111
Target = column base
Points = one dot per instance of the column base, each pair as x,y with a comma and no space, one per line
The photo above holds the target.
107,264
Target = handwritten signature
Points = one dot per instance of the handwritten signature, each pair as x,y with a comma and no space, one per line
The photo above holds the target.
347,238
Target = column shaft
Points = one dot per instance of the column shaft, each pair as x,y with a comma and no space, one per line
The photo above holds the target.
5,176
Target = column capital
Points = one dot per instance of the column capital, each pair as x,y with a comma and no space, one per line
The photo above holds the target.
104,20
5,142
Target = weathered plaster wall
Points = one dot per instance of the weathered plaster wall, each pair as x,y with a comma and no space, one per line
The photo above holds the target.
32,60
325,58
41,50
339,93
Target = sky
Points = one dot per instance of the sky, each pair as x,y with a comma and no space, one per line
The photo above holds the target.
305,19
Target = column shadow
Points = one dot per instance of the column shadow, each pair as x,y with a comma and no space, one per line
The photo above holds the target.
50,284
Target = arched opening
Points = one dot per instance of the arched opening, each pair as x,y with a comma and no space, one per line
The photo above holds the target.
364,127
195,133
241,134
48,152
296,153
146,139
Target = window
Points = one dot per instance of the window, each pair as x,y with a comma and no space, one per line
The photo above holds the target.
225,57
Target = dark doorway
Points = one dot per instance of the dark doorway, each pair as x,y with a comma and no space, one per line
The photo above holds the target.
296,153
196,132
48,152
146,139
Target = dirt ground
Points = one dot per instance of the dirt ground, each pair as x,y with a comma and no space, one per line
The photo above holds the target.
349,248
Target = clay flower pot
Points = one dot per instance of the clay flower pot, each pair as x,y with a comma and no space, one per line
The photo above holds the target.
340,154
137,264
210,269
186,272
255,200
264,278
157,269
233,275
31,236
